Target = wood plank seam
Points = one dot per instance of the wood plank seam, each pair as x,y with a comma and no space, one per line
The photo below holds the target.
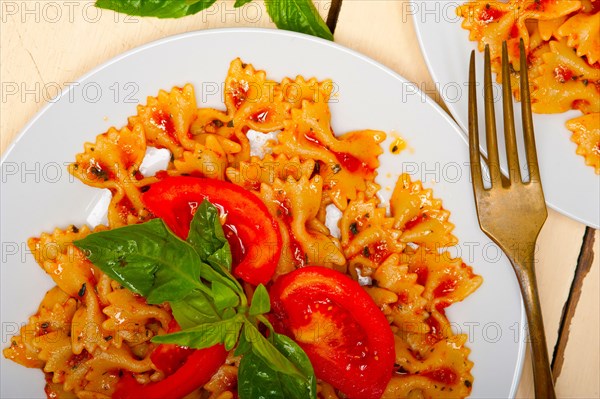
333,15
584,264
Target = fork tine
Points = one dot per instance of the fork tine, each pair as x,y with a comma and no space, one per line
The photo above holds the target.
474,130
532,162
490,122
512,156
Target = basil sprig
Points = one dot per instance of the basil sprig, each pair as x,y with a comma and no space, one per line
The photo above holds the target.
298,16
295,15
209,304
156,8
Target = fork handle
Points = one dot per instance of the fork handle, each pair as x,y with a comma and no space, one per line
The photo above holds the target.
542,375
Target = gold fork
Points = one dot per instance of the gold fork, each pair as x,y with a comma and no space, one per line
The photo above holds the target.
511,212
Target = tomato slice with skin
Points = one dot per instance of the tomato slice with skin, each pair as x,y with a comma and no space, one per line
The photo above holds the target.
198,369
344,333
168,358
175,199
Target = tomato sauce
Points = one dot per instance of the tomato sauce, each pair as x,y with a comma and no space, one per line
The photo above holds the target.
239,94
99,172
514,31
403,297
562,74
352,164
125,208
163,121
443,375
415,221
260,116
422,273
445,287
441,307
296,249
76,360
435,334
347,160
378,251
580,104
490,14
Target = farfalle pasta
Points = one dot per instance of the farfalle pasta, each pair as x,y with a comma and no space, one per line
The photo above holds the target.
89,331
563,46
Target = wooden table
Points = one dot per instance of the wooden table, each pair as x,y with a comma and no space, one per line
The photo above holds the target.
46,44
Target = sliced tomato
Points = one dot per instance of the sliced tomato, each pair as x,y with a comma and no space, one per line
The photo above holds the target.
168,358
175,199
198,369
345,335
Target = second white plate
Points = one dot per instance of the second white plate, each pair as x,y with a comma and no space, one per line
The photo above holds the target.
570,187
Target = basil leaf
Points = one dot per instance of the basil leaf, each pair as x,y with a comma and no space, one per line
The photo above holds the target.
156,8
295,353
146,258
224,277
298,16
206,335
258,379
265,350
260,301
229,313
196,308
239,3
223,296
207,237
244,346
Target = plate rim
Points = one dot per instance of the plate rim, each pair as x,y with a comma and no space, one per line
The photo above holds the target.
458,131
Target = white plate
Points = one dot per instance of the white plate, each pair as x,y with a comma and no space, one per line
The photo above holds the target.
570,187
38,195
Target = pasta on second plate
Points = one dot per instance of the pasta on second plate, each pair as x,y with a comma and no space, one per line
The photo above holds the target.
89,330
563,52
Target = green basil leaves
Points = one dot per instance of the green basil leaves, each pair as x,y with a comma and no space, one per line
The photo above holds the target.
209,304
295,15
